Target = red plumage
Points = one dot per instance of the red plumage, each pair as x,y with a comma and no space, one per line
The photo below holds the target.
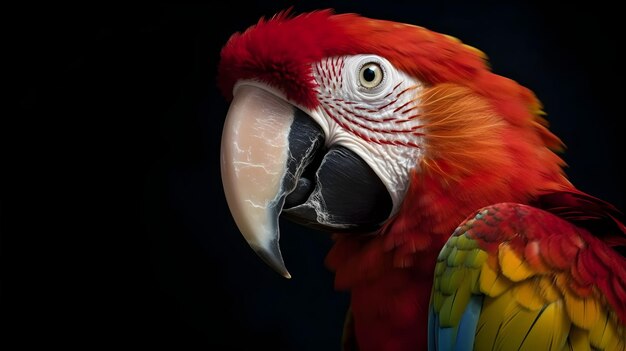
280,51
502,152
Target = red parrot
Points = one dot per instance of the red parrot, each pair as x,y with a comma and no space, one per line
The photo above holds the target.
454,225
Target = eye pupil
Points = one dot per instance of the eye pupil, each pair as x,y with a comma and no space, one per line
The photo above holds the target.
369,74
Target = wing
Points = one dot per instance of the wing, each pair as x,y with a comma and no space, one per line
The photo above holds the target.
515,277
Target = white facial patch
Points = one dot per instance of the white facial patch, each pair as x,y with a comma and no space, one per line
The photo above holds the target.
371,108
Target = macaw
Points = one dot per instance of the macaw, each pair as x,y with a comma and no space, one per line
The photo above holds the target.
454,226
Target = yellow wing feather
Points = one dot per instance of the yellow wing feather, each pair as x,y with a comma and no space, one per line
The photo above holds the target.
513,266
492,283
607,333
547,289
523,308
578,339
583,312
525,293
549,331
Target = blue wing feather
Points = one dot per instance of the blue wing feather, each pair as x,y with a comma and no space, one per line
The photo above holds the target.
467,327
444,339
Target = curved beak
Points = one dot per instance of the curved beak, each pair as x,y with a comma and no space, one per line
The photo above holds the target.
255,160
273,161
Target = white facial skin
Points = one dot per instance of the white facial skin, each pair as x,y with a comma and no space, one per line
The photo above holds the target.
370,107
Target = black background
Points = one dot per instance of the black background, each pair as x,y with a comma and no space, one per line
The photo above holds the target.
122,231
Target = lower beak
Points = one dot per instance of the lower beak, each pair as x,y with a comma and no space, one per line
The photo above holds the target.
272,163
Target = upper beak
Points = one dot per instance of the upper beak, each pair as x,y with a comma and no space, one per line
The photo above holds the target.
273,161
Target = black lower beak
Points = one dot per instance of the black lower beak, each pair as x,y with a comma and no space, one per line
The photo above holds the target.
340,193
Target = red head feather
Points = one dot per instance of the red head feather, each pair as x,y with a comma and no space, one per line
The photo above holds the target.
280,51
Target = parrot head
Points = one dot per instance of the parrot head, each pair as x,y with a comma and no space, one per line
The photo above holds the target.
366,127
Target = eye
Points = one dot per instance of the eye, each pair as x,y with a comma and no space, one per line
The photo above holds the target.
370,75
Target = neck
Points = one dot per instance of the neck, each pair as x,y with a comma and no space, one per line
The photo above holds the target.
391,313
389,300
